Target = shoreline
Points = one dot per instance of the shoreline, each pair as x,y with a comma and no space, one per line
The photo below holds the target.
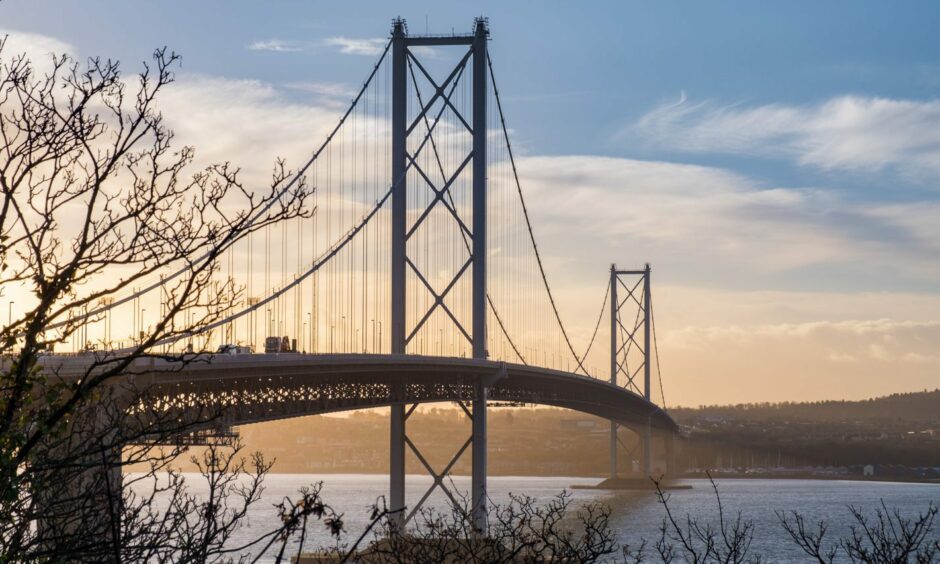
696,476
849,478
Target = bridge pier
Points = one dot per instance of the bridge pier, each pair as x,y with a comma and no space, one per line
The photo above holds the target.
669,443
396,470
478,452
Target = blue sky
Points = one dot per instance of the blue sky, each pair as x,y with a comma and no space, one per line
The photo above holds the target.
619,59
778,163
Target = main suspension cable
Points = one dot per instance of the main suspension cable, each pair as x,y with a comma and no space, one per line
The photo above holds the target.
232,238
317,264
528,223
597,326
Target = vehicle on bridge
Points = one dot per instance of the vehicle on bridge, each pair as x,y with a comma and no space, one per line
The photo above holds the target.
234,349
273,345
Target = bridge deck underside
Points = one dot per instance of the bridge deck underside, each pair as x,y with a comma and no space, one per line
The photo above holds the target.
260,388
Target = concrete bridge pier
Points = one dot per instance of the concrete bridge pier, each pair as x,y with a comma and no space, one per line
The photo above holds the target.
478,453
396,471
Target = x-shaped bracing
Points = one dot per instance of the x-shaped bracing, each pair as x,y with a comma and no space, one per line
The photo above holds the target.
628,337
630,450
437,477
439,195
443,194
439,90
440,166
438,299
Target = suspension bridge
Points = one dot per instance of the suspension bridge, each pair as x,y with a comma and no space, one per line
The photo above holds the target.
414,278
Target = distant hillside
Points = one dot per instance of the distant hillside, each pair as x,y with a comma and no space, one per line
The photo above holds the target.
900,429
923,407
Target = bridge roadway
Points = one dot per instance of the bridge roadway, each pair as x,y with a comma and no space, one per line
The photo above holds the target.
253,388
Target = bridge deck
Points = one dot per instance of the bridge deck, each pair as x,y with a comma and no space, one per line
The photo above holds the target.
265,387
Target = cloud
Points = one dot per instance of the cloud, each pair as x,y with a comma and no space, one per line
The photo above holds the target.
851,359
699,220
331,89
327,94
39,49
33,44
846,132
246,122
350,46
873,334
371,46
251,123
280,45
919,219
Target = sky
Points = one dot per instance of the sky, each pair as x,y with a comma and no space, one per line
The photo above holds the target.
777,164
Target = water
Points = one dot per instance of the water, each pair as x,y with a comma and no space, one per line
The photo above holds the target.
635,515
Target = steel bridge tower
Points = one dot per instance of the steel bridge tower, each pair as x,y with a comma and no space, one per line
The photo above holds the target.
402,57
636,285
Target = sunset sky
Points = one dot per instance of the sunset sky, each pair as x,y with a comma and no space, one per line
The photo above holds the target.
777,164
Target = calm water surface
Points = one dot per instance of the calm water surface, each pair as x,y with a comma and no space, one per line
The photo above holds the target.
635,515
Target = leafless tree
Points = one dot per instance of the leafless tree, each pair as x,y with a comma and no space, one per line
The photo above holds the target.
522,530
888,538
97,200
689,540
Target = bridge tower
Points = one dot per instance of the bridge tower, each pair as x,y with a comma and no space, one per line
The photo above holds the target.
404,57
628,357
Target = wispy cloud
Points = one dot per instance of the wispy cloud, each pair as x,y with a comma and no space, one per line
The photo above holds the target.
371,46
351,46
846,132
281,45
328,89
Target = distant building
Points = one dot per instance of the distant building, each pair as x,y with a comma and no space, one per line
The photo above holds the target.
868,470
578,424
